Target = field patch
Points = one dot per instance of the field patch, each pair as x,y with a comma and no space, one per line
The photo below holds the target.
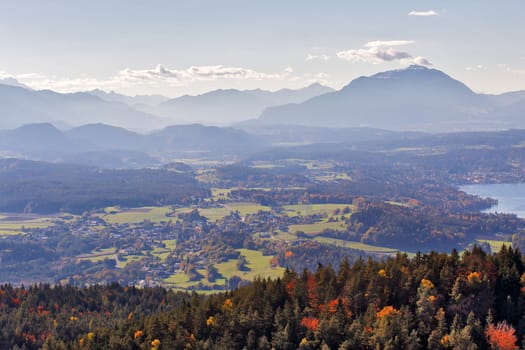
220,193
356,245
214,214
495,245
312,209
163,253
258,265
98,255
128,259
318,227
136,215
11,224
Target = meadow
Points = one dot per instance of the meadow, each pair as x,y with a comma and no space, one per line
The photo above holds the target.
12,224
114,215
258,265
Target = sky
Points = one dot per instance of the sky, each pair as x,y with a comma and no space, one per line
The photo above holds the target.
190,47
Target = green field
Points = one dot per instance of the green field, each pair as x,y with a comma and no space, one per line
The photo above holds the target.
285,236
179,280
495,245
98,255
115,215
129,259
214,214
258,264
318,227
207,176
11,224
311,209
220,193
356,245
163,253
333,177
318,165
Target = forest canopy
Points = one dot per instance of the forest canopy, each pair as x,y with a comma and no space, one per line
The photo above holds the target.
432,301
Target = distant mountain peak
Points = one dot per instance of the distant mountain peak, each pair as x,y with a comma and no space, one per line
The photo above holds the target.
411,70
223,106
13,82
38,127
413,98
417,67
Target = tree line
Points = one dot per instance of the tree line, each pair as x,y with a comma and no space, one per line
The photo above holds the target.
432,301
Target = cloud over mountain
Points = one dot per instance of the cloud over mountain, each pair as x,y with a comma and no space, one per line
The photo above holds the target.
195,73
129,77
428,13
380,51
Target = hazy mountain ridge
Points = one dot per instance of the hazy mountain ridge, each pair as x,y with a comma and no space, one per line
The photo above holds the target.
137,101
20,106
415,98
507,98
109,146
231,105
13,82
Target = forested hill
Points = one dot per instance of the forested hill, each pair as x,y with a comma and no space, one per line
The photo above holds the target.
434,301
37,187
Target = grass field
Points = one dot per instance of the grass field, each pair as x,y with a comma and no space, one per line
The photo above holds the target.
136,215
214,214
128,260
11,224
318,227
258,264
495,245
285,236
220,193
98,255
206,176
163,253
356,245
114,215
333,177
311,209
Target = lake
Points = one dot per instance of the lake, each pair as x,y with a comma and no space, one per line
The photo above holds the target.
511,197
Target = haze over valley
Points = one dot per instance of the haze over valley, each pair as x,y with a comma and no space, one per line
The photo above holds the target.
415,98
223,174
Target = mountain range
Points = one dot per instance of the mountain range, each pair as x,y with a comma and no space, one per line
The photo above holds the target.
19,106
221,107
416,98
109,146
137,101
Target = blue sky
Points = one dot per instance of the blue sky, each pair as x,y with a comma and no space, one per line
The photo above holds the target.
178,47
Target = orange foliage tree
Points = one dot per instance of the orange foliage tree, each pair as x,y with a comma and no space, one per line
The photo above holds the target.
387,310
311,323
501,336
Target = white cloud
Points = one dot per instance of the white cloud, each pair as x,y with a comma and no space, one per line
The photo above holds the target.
321,57
476,68
148,77
422,61
379,51
423,13
198,73
507,69
373,55
388,43
321,78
